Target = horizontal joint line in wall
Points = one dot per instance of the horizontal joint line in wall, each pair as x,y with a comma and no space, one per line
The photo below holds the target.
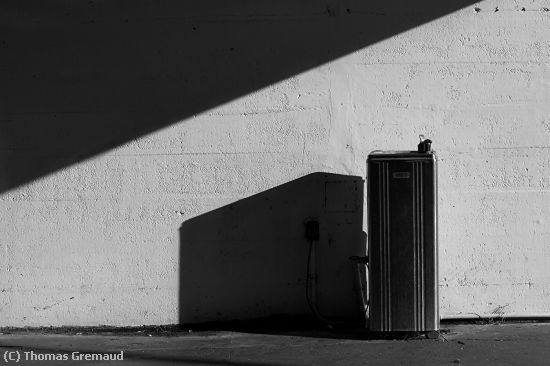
503,62
492,191
202,153
255,113
477,150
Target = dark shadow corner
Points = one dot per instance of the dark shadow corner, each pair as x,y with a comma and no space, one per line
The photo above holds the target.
248,260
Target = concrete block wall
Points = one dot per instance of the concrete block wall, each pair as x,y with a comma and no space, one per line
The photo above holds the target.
96,240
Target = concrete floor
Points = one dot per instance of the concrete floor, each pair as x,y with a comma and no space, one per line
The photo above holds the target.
489,344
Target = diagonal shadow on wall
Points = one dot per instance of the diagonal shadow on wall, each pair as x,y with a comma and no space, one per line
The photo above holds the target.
82,77
248,259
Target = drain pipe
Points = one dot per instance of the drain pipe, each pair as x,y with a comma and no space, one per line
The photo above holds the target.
360,264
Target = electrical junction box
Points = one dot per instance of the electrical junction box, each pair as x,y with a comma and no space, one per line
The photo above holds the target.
402,240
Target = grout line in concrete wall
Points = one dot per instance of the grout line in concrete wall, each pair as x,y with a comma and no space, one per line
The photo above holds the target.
254,113
472,316
436,62
542,147
522,9
494,191
201,153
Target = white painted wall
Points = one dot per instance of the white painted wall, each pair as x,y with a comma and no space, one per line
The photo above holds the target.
97,242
